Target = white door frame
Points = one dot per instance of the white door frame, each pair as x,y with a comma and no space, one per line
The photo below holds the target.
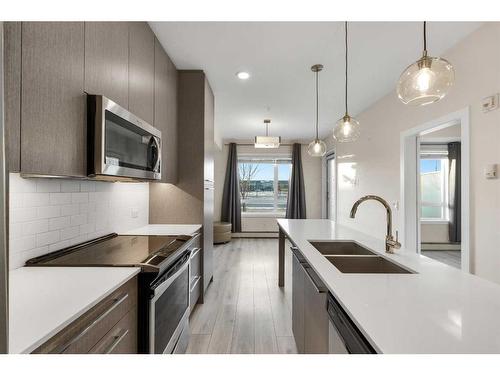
324,185
409,213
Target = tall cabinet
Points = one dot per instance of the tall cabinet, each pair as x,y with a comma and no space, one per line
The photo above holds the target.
195,152
191,200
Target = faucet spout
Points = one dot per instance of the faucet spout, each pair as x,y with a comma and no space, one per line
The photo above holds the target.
390,242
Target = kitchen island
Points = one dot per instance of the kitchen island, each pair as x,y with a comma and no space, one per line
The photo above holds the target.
436,309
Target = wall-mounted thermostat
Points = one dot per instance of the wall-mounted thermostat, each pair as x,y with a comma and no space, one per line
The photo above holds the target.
490,103
490,171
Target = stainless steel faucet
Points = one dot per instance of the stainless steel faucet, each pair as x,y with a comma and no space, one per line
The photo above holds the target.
391,243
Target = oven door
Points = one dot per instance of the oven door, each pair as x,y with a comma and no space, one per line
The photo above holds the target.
123,145
169,308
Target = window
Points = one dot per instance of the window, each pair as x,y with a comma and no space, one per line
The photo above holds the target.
264,184
434,183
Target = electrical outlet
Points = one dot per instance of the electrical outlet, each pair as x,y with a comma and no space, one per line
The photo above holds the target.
134,213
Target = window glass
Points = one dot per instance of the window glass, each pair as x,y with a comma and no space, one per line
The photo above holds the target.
433,188
264,185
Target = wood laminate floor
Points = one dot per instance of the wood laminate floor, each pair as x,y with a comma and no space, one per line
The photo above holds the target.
245,311
449,257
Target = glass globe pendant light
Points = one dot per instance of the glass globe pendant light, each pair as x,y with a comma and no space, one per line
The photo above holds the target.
347,128
317,147
427,80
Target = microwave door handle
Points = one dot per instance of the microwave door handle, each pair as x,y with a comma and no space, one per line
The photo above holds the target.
157,162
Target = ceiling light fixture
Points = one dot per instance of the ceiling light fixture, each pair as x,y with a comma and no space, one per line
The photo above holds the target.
427,80
267,141
347,128
317,147
243,75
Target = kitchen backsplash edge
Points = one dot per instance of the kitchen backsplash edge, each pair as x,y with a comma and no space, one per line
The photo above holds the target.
46,215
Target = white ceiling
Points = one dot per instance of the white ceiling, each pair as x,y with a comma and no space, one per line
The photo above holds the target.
278,55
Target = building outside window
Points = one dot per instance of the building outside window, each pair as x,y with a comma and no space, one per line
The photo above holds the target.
434,183
264,184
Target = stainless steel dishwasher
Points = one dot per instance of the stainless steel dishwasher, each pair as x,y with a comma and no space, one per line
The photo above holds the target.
343,335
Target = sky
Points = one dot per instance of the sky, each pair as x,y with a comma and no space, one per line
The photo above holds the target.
266,172
429,165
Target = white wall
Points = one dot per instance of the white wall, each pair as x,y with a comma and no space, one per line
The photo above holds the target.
46,215
312,178
377,154
434,232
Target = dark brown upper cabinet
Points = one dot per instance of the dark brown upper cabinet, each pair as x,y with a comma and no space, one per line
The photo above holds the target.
53,129
141,70
12,94
165,111
107,60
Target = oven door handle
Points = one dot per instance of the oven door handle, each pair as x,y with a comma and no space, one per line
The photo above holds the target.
179,267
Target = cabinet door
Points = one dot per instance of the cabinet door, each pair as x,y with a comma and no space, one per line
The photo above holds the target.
53,128
315,315
12,93
106,60
141,70
165,111
298,276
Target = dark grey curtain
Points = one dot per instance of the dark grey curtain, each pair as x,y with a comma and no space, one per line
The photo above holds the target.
455,192
296,204
231,204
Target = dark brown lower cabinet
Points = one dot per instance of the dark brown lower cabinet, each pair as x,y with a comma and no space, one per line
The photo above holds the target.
309,313
298,278
109,327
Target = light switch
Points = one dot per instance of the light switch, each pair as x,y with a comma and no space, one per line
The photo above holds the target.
490,171
134,212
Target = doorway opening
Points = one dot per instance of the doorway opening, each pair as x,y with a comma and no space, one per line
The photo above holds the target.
435,189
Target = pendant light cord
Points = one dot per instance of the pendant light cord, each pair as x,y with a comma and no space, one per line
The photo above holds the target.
317,105
346,68
425,38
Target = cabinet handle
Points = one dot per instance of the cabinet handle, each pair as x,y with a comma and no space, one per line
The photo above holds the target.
319,289
114,343
115,302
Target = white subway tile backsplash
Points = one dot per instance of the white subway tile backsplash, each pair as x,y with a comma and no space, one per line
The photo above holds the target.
70,209
36,199
68,233
45,185
78,219
48,212
46,215
70,186
47,238
59,222
19,215
35,227
60,198
79,197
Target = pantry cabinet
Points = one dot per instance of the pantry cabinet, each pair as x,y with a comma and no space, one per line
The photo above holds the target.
165,111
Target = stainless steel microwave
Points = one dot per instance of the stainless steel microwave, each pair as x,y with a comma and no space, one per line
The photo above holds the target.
120,146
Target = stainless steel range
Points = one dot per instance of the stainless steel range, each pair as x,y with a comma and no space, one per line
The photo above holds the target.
163,281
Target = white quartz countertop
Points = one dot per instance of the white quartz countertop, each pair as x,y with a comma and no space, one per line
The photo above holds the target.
164,230
44,300
439,309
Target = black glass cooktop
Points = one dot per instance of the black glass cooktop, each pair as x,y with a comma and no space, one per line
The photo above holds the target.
115,250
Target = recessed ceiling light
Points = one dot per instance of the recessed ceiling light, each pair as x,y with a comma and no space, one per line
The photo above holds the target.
243,75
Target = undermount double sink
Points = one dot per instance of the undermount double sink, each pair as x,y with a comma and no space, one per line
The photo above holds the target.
351,257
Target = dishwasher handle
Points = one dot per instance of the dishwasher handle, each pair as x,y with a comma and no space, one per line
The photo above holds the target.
354,341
